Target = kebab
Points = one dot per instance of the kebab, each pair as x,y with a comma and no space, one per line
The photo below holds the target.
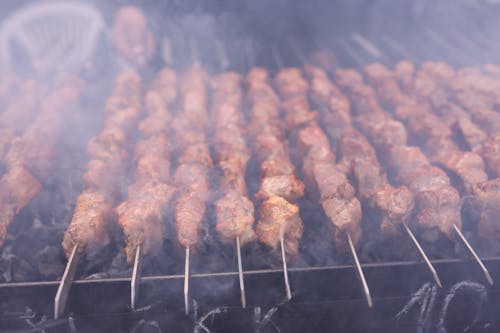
234,210
20,110
106,167
407,164
476,93
437,201
30,157
359,159
426,126
279,223
324,178
472,89
193,164
141,215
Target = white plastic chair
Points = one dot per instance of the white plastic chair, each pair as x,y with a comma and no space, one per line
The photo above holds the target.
53,36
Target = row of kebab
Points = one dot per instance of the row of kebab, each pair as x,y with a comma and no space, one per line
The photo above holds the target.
347,141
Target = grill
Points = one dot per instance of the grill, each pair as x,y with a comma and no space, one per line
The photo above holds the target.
377,286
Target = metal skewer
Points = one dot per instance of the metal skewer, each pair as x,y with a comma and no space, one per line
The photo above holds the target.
240,273
474,254
222,55
359,270
66,282
424,256
277,56
299,53
166,52
136,278
366,45
224,64
285,269
186,282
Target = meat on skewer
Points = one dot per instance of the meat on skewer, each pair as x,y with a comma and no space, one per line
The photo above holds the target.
336,194
234,210
29,159
393,206
194,161
437,204
484,208
20,111
141,215
475,92
427,126
279,217
131,36
106,168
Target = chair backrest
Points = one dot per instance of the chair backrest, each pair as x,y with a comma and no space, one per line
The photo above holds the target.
51,36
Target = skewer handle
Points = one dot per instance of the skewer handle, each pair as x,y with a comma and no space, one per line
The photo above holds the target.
186,282
66,282
136,278
474,254
285,270
359,270
240,274
424,256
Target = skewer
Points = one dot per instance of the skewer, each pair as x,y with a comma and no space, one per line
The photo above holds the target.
195,54
224,63
136,278
240,274
222,55
297,50
277,56
186,282
366,45
285,269
249,53
424,256
166,52
65,284
474,254
354,55
359,270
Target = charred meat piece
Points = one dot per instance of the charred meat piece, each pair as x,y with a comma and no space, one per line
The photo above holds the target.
141,217
468,167
486,209
293,89
17,188
235,217
189,212
89,225
279,219
490,151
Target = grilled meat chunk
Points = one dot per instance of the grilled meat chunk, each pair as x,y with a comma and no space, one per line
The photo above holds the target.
279,219
89,225
235,217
